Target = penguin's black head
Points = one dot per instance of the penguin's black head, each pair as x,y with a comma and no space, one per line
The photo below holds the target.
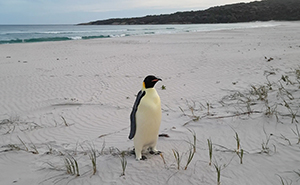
150,81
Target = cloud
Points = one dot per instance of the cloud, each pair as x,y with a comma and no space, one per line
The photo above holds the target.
107,6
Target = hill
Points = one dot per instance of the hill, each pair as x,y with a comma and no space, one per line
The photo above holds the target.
265,10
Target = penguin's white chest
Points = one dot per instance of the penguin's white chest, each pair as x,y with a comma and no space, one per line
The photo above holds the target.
148,118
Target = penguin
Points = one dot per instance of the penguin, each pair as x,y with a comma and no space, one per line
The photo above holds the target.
145,118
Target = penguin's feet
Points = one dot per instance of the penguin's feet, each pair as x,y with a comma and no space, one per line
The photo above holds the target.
143,158
155,152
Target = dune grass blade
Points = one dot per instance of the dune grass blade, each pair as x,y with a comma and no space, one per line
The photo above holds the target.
64,120
192,149
123,162
241,155
161,155
93,158
209,142
194,142
177,158
218,169
68,166
26,148
238,142
190,157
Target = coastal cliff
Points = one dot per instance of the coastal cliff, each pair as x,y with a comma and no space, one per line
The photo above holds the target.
265,10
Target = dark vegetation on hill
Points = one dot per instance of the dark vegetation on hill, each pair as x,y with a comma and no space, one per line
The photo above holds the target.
264,10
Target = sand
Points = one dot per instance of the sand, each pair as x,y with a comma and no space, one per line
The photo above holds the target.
63,99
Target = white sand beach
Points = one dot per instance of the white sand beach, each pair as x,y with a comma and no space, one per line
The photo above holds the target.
66,100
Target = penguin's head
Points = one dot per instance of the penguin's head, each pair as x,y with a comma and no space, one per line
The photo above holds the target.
150,81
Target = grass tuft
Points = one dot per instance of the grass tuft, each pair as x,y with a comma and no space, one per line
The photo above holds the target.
93,157
218,170
194,142
265,145
71,165
239,151
123,162
32,149
260,91
279,98
191,154
178,158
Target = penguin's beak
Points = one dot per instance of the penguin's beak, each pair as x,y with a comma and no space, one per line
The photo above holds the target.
156,80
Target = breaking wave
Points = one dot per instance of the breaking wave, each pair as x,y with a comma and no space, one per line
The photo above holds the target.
50,39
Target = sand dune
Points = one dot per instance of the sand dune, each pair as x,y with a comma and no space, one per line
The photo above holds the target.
64,98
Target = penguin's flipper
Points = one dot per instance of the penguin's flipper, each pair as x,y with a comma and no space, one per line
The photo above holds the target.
133,112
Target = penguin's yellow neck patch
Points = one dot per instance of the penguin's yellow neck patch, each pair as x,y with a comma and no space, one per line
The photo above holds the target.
144,86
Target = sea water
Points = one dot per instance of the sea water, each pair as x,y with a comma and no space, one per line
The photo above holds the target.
42,33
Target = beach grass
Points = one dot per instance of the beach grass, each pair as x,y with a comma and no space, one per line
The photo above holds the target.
189,154
178,158
272,96
190,157
210,150
196,111
193,143
14,123
71,165
123,161
64,121
218,169
239,151
238,142
93,157
265,148
241,155
192,150
32,149
163,158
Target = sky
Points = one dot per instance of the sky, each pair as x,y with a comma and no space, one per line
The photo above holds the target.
80,11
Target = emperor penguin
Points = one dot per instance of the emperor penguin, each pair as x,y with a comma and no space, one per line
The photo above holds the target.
145,118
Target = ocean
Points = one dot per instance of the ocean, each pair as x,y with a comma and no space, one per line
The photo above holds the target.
10,34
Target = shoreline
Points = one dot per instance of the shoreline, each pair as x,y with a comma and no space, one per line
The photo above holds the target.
70,32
